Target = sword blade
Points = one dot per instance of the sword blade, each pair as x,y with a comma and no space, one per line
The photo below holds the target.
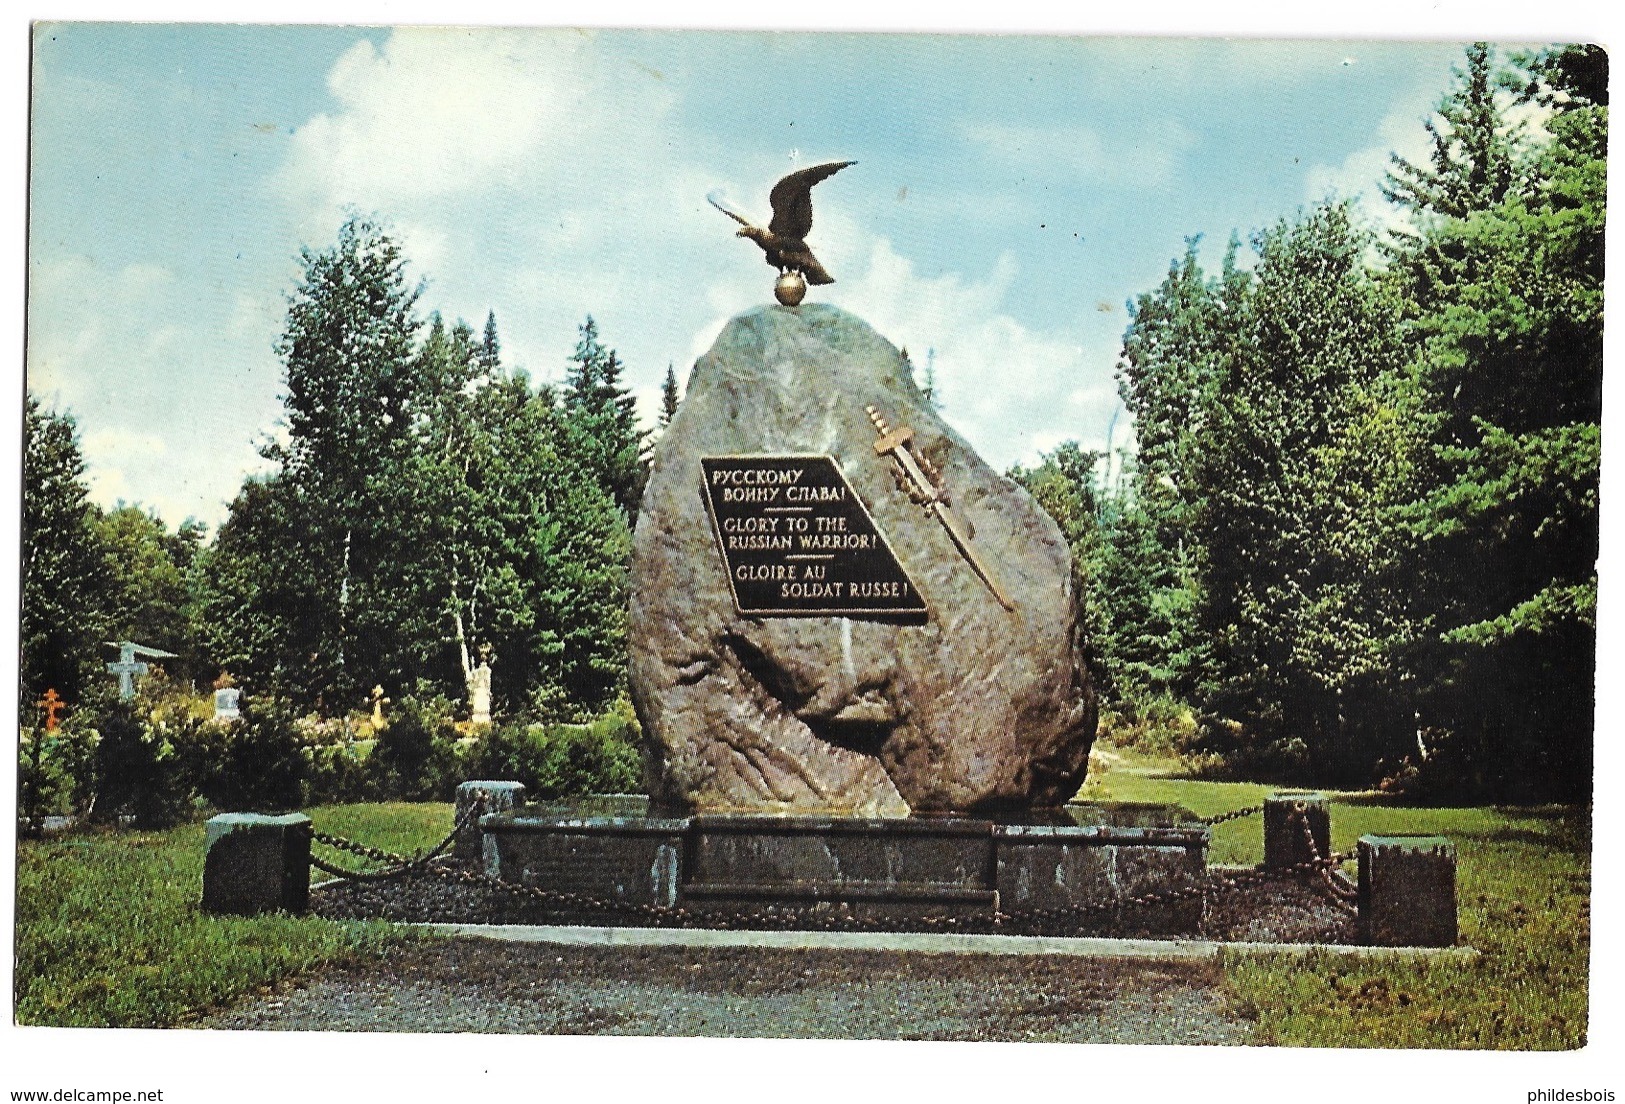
962,540
912,468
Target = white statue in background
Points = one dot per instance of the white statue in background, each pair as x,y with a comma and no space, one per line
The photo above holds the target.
479,689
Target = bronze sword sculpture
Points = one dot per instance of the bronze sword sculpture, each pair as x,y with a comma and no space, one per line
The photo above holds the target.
922,490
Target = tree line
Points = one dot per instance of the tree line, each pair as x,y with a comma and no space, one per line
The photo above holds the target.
427,509
1358,538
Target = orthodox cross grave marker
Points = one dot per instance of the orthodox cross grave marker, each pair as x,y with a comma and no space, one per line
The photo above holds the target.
52,704
128,666
798,542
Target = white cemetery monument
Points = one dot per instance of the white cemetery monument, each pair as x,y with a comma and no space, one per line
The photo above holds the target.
225,703
479,694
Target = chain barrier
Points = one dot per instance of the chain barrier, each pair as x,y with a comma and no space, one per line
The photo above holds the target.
810,918
1341,895
1233,814
400,864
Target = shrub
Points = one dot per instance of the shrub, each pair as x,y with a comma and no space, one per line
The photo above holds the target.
199,747
417,756
56,769
1155,725
263,764
138,772
563,760
338,774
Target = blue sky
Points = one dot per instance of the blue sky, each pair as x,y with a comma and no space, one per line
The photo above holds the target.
1011,194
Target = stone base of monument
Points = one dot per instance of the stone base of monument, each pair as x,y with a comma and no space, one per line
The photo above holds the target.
1407,891
1285,842
894,871
256,863
495,796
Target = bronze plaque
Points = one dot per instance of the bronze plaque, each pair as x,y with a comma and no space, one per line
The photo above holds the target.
797,541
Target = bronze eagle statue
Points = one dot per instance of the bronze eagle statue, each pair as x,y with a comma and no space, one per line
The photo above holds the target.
784,240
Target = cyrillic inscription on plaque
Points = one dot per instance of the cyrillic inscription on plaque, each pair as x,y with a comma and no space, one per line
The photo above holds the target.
797,541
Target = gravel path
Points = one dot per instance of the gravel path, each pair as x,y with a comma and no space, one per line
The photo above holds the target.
438,985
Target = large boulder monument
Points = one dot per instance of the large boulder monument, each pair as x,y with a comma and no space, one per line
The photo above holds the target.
837,606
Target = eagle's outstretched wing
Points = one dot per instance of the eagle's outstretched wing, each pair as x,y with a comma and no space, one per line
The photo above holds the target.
715,200
792,199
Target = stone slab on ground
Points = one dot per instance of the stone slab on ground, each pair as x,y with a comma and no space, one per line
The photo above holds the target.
1195,950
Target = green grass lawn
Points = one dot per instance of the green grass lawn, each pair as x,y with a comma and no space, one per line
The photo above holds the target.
109,933
1523,887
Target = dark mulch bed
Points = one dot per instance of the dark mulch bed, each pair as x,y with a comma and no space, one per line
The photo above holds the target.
1284,909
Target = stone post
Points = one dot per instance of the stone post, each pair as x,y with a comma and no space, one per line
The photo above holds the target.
1407,891
1284,844
255,863
500,797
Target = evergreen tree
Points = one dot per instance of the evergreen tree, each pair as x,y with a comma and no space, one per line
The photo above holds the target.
490,347
668,397
605,413
1503,299
1066,485
1472,165
64,570
1295,480
1182,340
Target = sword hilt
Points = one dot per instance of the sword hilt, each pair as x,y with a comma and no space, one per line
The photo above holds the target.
890,441
911,476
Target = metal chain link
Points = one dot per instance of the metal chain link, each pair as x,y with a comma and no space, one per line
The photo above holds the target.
402,864
1341,895
1234,814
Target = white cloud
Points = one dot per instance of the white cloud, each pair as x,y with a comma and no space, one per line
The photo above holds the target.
158,381
578,178
126,442
1361,173
435,112
1150,159
83,314
532,173
1010,389
1402,131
